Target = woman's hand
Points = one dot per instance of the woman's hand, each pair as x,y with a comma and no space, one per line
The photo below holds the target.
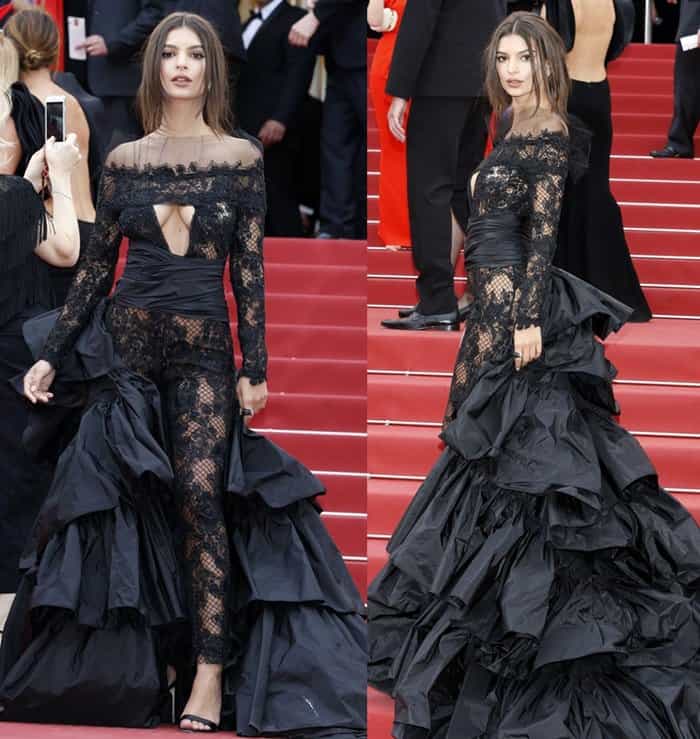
62,156
396,117
528,345
251,397
36,169
38,381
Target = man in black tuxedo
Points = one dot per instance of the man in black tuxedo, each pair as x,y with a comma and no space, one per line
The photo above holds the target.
115,35
339,32
271,91
223,15
437,66
686,84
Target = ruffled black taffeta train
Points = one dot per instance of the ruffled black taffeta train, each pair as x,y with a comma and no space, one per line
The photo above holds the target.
100,610
541,585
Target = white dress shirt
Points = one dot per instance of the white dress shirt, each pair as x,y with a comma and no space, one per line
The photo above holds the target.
254,26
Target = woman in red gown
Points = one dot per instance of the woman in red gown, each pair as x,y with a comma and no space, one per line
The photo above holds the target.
393,198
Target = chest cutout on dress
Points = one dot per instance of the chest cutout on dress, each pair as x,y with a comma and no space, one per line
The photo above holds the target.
472,183
175,223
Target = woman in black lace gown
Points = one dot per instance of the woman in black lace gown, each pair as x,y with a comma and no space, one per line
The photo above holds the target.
142,390
540,585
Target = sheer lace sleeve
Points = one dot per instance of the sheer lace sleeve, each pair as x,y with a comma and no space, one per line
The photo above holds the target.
247,273
545,159
94,276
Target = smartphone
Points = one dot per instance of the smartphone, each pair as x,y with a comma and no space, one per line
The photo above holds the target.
55,117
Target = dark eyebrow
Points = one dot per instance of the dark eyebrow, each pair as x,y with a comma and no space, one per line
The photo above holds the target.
175,46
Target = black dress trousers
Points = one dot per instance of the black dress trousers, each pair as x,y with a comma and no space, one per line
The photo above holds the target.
445,142
686,100
343,154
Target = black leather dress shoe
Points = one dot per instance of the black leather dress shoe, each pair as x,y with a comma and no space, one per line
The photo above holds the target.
668,152
416,321
406,312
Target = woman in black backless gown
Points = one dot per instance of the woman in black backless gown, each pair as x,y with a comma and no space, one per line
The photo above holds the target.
35,35
27,287
540,585
592,242
166,511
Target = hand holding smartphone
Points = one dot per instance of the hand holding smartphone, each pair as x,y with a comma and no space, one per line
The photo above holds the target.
55,117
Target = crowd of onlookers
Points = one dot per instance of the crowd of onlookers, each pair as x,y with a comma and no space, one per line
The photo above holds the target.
296,72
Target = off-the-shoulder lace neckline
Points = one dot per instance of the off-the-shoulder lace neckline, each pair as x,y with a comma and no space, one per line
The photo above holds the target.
220,137
545,133
193,168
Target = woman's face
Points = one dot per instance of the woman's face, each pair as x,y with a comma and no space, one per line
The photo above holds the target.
515,66
183,65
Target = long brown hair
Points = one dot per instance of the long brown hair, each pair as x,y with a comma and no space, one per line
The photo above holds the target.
550,77
36,36
150,97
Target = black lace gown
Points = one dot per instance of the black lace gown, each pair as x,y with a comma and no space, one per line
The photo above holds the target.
540,584
164,509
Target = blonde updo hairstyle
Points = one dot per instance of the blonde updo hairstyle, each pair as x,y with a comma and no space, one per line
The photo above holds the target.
36,36
551,80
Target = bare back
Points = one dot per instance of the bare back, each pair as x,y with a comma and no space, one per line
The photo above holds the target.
76,122
595,21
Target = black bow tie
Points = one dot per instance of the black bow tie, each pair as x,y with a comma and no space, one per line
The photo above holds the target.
255,14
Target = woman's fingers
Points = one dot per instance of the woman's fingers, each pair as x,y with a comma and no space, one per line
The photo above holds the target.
29,387
526,353
37,382
33,389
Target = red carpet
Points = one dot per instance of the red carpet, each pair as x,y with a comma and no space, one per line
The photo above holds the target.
658,387
316,292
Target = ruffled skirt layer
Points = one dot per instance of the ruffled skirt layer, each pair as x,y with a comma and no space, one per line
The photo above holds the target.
541,585
101,610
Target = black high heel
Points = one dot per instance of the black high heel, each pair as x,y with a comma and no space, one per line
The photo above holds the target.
211,726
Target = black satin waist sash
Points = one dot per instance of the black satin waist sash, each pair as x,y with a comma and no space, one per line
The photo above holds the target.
155,279
494,240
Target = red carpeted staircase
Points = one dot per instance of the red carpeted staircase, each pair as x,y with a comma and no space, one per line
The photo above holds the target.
658,386
316,292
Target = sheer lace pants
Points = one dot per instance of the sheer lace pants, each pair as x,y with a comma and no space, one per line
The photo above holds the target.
190,360
488,335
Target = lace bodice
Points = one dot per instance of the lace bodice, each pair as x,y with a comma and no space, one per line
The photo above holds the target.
221,180
523,176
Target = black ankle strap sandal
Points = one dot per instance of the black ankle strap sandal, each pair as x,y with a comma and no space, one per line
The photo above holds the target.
211,726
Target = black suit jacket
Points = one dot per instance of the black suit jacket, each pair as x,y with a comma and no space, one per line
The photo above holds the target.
689,21
276,78
223,15
125,25
342,35
439,47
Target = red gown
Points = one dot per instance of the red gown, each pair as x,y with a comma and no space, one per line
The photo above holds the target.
55,8
393,198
